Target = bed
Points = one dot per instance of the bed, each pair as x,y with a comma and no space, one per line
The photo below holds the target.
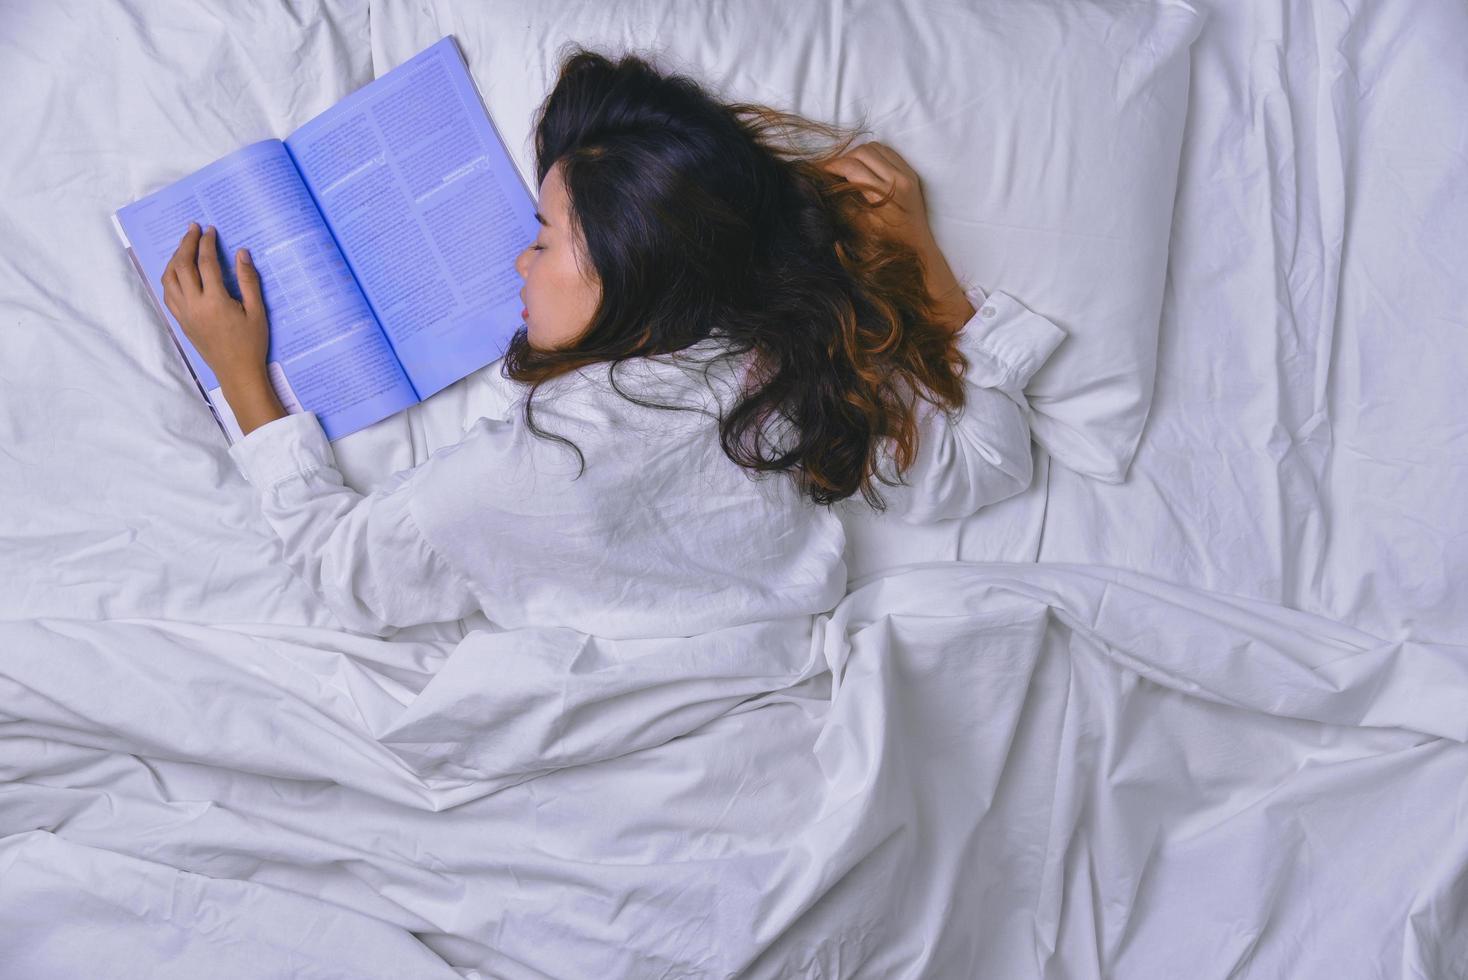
1194,704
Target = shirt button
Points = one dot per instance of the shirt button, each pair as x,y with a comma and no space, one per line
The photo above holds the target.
987,311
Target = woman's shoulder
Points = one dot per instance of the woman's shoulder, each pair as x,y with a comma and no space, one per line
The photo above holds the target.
701,380
640,414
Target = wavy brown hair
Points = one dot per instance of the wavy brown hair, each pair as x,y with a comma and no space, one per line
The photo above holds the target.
704,217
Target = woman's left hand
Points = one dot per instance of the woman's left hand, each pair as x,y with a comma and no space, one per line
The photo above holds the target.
879,171
231,335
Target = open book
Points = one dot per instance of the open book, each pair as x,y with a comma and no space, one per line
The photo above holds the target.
385,232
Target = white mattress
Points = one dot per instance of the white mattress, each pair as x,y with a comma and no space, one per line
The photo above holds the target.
1209,722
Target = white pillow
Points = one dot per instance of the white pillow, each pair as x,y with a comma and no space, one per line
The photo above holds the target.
1047,134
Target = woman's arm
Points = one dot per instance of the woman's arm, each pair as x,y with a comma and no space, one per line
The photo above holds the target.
943,285
365,556
982,454
879,169
253,400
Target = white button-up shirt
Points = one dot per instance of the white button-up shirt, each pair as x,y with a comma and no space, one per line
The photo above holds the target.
661,535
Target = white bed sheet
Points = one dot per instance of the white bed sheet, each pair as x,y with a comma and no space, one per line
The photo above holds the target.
1024,770
110,464
1307,442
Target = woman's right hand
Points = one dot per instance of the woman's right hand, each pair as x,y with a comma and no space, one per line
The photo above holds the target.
876,169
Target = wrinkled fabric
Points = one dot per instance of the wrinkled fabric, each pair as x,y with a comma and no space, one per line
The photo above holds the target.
1137,759
1307,443
963,770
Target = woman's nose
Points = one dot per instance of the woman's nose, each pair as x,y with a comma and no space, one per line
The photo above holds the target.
520,262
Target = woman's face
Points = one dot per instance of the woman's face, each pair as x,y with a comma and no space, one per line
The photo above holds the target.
561,289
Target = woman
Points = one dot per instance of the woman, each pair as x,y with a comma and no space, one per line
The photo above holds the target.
726,333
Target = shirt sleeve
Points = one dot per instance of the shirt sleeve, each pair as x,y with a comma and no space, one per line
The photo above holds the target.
982,454
365,556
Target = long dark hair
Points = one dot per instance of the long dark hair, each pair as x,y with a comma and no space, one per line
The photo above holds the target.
704,217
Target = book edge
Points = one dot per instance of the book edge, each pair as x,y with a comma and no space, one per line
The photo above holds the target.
132,256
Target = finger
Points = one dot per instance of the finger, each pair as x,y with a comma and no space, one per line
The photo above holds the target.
893,159
177,260
869,154
211,276
838,165
888,163
888,166
170,291
859,173
249,279
185,261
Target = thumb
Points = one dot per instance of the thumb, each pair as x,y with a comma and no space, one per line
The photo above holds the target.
249,279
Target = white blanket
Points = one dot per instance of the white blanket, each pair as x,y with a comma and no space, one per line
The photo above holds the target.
1009,771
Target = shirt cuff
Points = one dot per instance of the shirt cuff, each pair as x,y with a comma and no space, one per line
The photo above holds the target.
291,446
1008,340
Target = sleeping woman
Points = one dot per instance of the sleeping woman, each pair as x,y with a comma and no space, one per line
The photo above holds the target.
734,320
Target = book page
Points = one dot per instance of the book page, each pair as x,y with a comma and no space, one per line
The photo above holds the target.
324,340
429,210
